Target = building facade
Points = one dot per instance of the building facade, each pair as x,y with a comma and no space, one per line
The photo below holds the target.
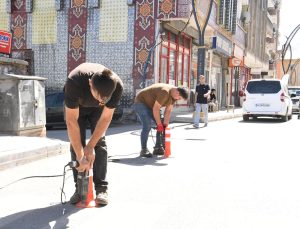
143,41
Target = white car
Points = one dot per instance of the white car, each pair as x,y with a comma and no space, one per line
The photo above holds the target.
294,92
267,97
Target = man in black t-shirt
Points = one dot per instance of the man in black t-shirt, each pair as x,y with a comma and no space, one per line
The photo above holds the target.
201,94
92,93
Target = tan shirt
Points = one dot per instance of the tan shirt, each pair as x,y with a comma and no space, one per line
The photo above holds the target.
159,92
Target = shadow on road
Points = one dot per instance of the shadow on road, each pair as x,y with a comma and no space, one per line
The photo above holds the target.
263,120
138,161
56,215
61,133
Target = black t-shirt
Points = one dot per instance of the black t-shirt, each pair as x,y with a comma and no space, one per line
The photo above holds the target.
77,88
202,89
212,97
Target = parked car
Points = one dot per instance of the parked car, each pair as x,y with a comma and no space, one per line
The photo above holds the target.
55,110
267,97
294,92
55,115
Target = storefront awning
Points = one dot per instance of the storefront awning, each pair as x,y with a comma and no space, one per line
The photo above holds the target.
177,25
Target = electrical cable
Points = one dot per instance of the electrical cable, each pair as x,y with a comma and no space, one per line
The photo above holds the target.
29,177
71,164
186,24
62,188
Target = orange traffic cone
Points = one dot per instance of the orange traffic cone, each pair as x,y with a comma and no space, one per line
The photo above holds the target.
88,200
167,142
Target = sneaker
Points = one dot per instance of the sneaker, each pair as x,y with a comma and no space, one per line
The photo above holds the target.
158,151
101,198
75,198
145,153
196,126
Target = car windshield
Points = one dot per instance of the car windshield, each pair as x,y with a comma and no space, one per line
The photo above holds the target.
263,87
55,100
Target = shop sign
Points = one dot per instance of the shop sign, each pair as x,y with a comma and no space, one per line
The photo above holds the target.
238,52
222,45
5,42
235,62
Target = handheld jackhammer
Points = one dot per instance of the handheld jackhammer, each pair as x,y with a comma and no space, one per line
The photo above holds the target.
82,182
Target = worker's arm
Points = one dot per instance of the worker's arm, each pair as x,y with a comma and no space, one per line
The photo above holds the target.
196,95
156,113
73,129
167,114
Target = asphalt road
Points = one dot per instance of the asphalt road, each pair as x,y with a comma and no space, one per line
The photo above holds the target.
230,175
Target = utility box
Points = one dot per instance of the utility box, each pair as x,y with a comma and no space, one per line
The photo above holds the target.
22,105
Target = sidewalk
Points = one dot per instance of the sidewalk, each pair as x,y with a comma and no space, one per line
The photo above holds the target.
18,150
212,116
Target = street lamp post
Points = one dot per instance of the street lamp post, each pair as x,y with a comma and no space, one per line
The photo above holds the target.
285,48
293,71
201,33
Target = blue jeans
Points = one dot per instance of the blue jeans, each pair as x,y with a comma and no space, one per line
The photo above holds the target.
200,107
145,115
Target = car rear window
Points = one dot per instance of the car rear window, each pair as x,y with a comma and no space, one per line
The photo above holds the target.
294,91
263,87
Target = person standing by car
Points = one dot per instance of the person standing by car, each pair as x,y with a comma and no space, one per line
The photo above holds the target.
92,93
202,94
147,105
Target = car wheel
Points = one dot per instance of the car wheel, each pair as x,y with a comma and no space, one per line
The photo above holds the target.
284,118
245,117
254,118
290,117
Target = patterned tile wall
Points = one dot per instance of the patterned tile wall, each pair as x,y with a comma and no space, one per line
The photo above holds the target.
77,29
44,22
19,24
117,56
4,16
113,21
50,60
147,12
123,56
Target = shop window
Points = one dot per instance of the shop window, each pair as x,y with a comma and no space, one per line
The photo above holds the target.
172,67
179,69
186,71
175,60
163,70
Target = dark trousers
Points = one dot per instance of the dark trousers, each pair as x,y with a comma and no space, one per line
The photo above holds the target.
91,115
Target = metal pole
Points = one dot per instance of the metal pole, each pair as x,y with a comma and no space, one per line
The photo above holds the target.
201,33
286,46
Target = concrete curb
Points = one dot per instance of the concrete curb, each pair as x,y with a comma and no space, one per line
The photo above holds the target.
189,118
20,157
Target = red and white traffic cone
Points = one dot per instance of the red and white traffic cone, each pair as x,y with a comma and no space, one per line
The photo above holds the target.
167,142
88,198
